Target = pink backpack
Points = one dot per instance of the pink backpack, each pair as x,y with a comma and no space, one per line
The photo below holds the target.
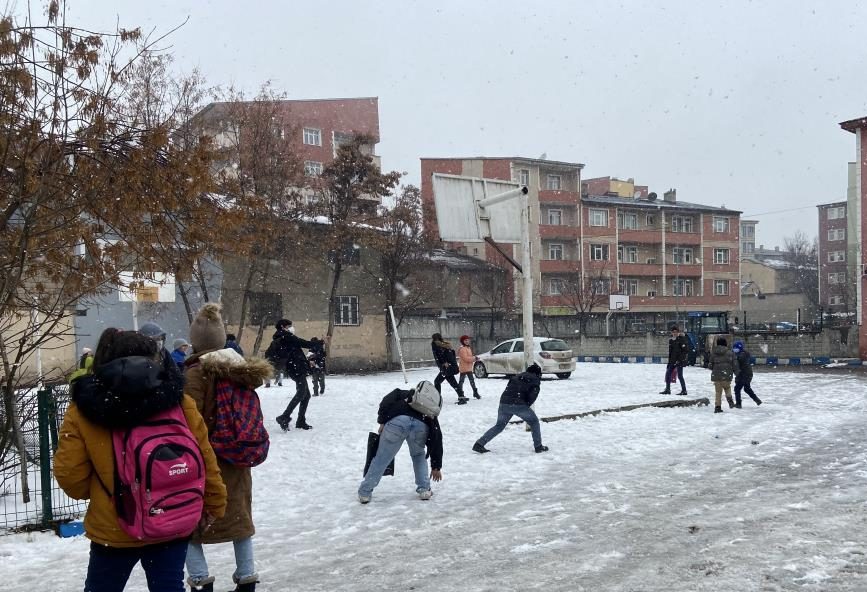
160,478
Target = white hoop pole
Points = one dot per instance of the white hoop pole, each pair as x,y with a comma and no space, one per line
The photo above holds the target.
397,341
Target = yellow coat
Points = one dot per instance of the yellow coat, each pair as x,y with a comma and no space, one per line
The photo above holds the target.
85,456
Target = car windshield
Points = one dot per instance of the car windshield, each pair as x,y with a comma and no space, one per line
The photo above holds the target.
555,345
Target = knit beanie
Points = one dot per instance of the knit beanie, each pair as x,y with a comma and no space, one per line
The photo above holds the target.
207,332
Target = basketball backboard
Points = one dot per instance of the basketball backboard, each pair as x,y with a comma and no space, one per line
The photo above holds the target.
159,288
459,217
618,302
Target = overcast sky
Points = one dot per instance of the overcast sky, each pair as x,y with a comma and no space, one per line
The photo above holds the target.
733,103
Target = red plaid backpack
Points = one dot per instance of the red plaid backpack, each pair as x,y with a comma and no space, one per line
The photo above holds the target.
239,436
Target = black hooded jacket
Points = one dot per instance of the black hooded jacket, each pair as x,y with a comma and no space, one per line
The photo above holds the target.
287,346
394,404
521,390
127,391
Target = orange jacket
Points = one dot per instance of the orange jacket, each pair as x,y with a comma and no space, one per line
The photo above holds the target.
85,455
466,359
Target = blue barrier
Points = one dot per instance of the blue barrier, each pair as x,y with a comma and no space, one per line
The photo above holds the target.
756,361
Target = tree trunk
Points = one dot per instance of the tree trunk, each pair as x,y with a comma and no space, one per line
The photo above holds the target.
332,303
185,297
245,300
258,344
202,283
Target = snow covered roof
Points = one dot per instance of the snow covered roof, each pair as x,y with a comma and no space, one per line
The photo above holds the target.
656,204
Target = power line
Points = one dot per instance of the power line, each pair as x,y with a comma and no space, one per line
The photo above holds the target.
777,212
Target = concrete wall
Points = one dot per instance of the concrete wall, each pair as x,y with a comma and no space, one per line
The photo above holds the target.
58,352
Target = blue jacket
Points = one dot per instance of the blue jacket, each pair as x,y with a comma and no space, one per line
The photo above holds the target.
178,356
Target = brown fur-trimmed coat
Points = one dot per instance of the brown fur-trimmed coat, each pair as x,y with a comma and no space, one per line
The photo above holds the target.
201,372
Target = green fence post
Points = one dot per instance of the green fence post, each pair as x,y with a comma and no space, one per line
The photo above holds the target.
52,419
43,398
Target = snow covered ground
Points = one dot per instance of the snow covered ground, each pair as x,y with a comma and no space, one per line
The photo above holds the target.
764,498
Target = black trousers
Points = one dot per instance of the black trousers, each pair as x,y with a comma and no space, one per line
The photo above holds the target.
672,371
300,400
744,383
472,381
450,378
318,377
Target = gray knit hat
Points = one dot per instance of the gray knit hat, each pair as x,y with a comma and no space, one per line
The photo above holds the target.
207,332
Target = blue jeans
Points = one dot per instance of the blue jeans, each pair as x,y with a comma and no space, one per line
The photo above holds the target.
197,565
402,427
674,372
163,564
505,413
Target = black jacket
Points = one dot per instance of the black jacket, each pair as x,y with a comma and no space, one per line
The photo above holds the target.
317,359
521,390
286,346
126,391
745,369
678,350
444,354
394,404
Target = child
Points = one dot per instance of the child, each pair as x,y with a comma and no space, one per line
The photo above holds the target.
517,399
723,366
466,359
130,383
744,376
316,356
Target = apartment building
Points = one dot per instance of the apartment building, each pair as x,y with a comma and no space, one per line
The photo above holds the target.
666,255
856,214
748,237
835,294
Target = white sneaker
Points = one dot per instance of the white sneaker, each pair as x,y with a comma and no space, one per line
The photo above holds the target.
425,495
364,499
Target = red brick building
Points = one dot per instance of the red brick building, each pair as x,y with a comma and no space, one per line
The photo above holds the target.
857,227
666,255
836,295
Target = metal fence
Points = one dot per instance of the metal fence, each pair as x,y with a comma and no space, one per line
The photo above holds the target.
42,504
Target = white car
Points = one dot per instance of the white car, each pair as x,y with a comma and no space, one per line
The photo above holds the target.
554,356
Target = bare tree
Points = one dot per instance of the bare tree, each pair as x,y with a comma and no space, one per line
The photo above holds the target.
495,291
801,255
587,293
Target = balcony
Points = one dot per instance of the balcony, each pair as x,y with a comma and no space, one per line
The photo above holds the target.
549,231
640,236
683,270
678,239
559,266
640,270
560,198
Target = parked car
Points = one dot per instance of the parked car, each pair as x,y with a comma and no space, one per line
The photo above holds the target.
554,356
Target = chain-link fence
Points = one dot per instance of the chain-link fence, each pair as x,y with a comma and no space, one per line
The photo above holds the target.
29,496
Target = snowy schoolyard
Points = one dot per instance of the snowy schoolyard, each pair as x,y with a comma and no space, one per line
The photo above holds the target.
758,499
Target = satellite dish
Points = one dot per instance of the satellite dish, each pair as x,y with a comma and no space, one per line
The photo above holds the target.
636,195
651,196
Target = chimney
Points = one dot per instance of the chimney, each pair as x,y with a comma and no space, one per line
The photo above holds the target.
670,195
761,247
777,248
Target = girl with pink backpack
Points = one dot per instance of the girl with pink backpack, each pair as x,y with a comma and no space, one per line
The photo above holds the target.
135,446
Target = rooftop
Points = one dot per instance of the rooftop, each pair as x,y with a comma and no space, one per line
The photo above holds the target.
854,124
655,204
536,161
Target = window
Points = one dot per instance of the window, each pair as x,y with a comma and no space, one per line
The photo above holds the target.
749,248
350,255
598,217
720,288
628,287
681,287
837,213
555,217
627,254
503,348
627,221
600,286
681,223
346,312
835,300
555,286
266,308
682,254
312,136
555,251
720,224
650,220
524,177
838,277
312,168
721,256
837,234
651,293
599,252
835,256
554,182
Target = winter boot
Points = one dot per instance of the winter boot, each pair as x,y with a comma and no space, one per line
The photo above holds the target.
303,426
203,585
757,400
682,393
477,395
667,391
541,449
247,584
737,406
425,494
462,400
731,402
480,448
284,422
717,410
